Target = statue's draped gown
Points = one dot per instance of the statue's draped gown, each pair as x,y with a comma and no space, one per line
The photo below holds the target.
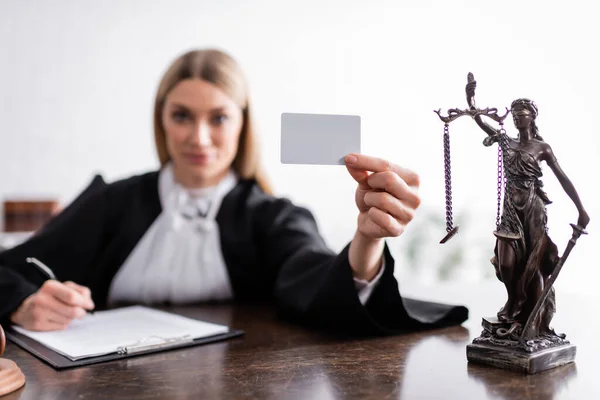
524,213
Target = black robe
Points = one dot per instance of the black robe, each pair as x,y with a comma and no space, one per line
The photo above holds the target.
272,249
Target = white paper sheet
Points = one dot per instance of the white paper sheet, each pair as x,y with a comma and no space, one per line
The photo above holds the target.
105,331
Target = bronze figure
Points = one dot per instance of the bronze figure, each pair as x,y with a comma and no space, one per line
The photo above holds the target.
525,258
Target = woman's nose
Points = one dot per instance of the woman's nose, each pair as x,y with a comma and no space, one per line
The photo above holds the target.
202,135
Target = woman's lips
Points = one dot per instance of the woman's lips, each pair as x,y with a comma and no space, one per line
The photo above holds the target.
199,158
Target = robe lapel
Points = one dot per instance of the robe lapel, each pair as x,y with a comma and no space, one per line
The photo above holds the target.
126,226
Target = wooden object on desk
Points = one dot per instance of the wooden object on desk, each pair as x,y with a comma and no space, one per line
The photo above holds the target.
28,215
11,376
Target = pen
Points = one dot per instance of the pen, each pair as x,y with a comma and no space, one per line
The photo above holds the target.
44,269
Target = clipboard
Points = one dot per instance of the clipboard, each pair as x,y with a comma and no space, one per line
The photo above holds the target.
145,345
59,361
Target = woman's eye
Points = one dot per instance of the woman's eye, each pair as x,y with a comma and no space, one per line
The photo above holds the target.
180,116
219,119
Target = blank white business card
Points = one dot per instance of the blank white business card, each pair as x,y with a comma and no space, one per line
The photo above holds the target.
321,139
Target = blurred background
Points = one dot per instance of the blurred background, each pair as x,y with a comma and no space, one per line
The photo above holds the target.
77,82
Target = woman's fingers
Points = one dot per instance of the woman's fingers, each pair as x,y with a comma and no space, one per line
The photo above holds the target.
379,224
393,184
382,224
84,291
67,295
66,312
360,176
391,205
374,164
43,313
386,196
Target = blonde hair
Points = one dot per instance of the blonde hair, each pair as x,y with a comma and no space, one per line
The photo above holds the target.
221,70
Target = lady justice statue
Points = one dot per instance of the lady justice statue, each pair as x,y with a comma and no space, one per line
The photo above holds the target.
525,258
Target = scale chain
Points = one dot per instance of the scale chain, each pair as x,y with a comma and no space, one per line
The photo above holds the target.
448,178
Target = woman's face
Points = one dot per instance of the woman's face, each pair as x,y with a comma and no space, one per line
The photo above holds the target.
522,118
202,127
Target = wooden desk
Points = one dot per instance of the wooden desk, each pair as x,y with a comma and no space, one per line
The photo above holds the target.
277,360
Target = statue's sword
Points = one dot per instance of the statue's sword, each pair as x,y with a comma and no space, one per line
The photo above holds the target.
577,232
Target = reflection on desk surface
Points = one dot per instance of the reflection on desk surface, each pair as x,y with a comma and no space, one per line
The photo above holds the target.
276,359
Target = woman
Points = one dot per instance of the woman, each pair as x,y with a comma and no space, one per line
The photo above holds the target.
525,256
205,227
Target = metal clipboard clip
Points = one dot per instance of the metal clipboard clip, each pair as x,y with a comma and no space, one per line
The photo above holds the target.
152,343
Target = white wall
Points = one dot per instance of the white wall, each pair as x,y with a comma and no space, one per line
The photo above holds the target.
77,81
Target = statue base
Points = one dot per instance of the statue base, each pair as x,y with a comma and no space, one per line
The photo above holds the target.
506,352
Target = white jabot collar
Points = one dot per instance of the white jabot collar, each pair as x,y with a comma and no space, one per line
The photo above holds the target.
192,204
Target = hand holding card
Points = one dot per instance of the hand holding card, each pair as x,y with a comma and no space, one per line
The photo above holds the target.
386,196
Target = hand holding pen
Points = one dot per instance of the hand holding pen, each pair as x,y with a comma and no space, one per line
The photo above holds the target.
54,305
